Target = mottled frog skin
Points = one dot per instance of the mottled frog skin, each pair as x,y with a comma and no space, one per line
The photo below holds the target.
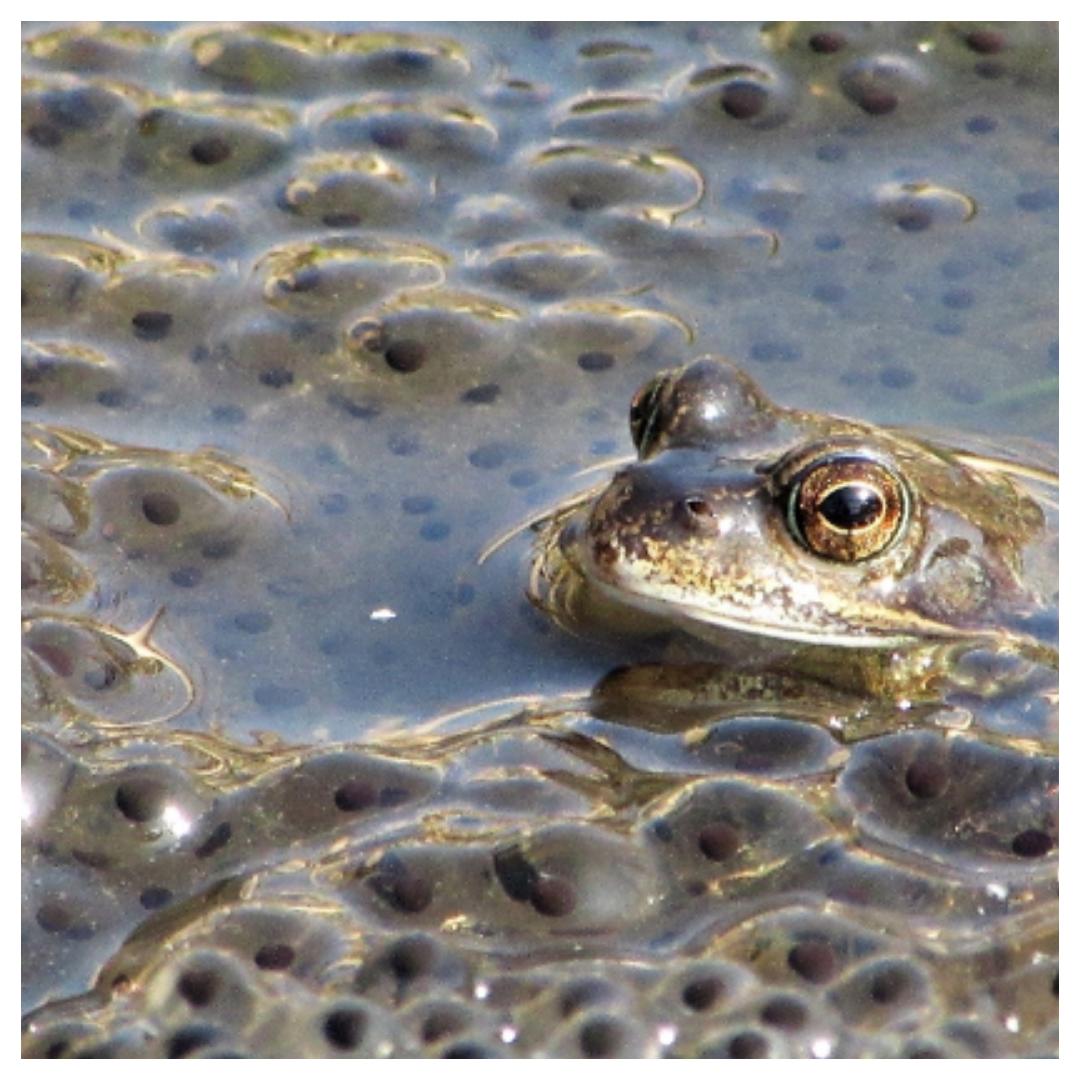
765,530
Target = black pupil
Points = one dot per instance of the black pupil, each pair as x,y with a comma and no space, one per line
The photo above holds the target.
852,506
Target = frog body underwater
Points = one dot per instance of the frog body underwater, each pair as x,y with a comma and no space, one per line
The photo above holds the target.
865,556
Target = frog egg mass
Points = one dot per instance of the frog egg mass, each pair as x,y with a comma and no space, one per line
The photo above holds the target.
385,694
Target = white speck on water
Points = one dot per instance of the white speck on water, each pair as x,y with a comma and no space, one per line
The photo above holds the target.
821,1048
997,891
383,614
1012,1023
666,1033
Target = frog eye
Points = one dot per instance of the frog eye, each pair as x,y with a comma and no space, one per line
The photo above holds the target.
644,413
847,508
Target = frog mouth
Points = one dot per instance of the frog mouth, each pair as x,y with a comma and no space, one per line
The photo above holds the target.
696,617
647,595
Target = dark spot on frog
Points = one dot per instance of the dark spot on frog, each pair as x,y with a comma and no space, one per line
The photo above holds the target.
981,125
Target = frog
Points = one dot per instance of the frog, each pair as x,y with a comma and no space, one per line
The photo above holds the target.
789,543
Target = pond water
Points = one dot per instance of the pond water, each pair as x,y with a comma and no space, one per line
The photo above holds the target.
314,314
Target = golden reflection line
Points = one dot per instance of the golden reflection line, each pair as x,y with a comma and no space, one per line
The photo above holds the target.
1009,468
504,538
139,641
523,701
608,463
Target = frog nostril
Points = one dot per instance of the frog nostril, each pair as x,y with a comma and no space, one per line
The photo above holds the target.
693,511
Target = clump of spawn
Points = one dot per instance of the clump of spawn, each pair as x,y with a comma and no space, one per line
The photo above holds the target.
404,291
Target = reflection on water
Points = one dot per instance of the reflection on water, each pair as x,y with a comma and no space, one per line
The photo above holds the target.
311,315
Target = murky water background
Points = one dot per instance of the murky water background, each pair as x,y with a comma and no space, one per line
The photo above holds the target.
310,315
